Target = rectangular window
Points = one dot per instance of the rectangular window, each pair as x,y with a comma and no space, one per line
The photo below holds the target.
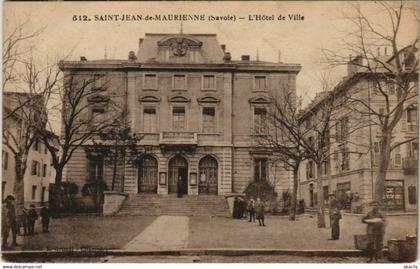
260,83
150,81
394,194
310,170
324,168
36,144
209,82
343,194
5,159
345,160
97,81
260,169
209,120
33,192
344,128
34,168
179,82
43,194
260,126
149,120
412,119
178,118
98,115
44,170
397,156
391,88
96,170
45,149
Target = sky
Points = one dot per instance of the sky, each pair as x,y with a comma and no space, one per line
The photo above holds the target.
297,41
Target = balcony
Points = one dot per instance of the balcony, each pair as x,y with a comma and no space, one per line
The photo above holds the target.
410,165
178,140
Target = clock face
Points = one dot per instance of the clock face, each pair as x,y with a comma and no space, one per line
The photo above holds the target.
179,47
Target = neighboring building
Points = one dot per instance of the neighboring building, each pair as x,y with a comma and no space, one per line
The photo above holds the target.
197,110
354,142
39,172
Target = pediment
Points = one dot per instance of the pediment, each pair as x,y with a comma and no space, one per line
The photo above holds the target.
98,98
149,98
260,99
179,39
180,44
208,99
179,99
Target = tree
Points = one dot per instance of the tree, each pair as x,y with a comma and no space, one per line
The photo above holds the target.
284,136
122,149
397,70
81,105
23,111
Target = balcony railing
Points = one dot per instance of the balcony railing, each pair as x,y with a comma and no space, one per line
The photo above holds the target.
410,165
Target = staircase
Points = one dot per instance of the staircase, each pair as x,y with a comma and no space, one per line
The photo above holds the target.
170,205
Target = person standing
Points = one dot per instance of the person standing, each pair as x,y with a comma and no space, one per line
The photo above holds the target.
32,217
335,223
375,231
23,222
259,210
251,209
11,215
5,224
180,186
45,218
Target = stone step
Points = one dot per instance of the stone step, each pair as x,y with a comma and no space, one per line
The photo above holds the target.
188,205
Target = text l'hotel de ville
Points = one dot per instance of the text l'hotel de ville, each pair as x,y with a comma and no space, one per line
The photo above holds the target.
189,17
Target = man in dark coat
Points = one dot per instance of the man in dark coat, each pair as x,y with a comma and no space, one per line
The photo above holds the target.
335,217
32,217
179,187
375,231
45,218
11,215
5,225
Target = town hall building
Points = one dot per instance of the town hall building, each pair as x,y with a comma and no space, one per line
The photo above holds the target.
198,113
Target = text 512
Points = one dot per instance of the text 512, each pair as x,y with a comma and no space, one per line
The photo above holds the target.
80,18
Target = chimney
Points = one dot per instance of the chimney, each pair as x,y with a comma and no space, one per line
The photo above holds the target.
132,56
83,59
140,41
227,57
245,58
223,47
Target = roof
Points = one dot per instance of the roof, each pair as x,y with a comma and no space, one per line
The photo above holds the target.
206,46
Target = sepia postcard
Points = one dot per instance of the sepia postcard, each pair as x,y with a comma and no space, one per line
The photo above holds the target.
210,132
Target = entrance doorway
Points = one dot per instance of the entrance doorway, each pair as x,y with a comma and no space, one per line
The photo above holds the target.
208,175
178,171
147,175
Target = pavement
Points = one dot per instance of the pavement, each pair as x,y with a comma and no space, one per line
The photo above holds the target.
138,237
166,232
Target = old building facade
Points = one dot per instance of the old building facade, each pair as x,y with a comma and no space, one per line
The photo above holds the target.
39,172
354,136
197,111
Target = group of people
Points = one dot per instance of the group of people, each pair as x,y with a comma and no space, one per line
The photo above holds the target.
12,222
375,229
254,208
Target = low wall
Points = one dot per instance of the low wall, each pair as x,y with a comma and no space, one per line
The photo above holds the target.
113,202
